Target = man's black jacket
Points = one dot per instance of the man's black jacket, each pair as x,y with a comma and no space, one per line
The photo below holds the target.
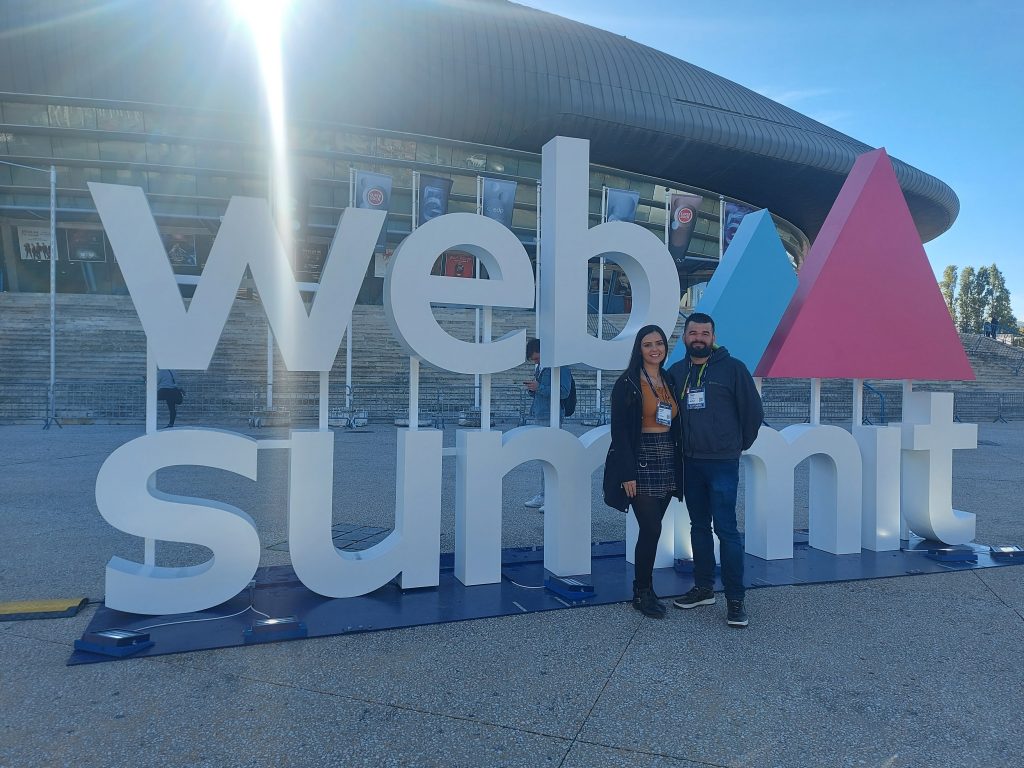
732,413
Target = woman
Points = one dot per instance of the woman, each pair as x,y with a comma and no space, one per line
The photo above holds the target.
643,468
167,389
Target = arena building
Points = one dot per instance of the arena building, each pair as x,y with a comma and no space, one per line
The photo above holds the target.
167,95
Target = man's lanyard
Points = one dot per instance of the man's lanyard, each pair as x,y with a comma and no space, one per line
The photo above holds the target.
700,376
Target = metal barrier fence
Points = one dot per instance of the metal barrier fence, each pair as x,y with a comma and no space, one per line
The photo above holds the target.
440,404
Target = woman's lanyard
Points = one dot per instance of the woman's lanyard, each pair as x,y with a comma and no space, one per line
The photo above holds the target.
664,413
694,396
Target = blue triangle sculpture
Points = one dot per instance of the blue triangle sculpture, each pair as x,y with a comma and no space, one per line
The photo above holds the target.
749,292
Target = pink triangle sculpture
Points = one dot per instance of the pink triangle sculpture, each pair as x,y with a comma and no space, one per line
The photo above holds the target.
867,305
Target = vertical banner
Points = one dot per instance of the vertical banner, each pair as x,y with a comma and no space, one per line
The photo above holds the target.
499,198
373,190
434,194
35,243
680,229
621,205
734,213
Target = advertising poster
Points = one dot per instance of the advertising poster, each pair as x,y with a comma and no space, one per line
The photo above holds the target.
310,258
734,213
35,243
499,200
380,263
434,194
621,204
181,250
86,245
684,209
458,264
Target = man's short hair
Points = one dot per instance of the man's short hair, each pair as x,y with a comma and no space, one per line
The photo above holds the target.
697,317
532,346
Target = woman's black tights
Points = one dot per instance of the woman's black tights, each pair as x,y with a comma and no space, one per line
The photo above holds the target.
648,511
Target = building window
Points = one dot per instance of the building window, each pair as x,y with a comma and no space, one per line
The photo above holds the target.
17,113
130,120
62,116
77,149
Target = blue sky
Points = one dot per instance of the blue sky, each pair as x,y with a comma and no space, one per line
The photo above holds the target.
939,84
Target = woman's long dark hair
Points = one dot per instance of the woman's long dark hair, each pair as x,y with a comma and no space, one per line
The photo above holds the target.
636,359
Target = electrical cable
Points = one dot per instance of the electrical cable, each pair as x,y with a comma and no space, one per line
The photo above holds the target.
193,621
521,586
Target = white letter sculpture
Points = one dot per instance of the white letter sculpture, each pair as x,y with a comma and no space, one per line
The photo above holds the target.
126,502
834,498
929,437
567,245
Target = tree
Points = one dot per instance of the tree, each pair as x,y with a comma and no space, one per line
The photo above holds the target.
977,296
948,287
969,303
999,303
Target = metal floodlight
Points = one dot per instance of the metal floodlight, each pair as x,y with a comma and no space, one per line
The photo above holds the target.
953,554
571,588
1006,551
270,630
114,642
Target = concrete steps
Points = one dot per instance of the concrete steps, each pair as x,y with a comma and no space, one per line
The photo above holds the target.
101,352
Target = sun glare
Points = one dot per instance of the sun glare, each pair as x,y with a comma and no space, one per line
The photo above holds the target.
265,20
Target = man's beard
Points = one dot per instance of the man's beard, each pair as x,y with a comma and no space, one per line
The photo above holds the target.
698,349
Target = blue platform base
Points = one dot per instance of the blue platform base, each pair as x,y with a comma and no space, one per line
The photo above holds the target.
524,588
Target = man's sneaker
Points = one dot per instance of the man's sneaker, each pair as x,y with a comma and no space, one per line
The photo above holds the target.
736,617
536,502
696,596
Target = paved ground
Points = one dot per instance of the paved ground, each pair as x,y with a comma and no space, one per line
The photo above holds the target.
915,671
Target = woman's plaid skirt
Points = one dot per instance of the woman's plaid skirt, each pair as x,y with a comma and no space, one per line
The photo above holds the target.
656,470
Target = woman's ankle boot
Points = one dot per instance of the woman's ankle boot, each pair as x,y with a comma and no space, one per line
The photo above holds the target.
648,604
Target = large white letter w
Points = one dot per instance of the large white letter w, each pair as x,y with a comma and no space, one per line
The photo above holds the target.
186,339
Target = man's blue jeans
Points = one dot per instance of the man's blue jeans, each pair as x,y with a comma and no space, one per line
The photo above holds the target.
709,486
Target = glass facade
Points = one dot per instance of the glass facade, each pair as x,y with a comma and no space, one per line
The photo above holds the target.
190,163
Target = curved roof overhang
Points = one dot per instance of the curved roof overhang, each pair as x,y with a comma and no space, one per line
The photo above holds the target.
483,71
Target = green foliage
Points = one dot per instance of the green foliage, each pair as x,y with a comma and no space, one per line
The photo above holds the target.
999,303
948,287
970,303
977,297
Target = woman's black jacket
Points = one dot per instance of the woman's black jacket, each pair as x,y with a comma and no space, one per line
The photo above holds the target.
627,416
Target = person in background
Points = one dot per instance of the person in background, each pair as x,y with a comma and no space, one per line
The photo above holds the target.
643,469
539,388
721,415
167,389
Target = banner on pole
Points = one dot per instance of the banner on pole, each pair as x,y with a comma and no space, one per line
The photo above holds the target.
734,213
680,229
35,243
621,205
373,190
499,200
434,194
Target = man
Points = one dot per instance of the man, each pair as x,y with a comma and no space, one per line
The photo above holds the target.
721,414
539,388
